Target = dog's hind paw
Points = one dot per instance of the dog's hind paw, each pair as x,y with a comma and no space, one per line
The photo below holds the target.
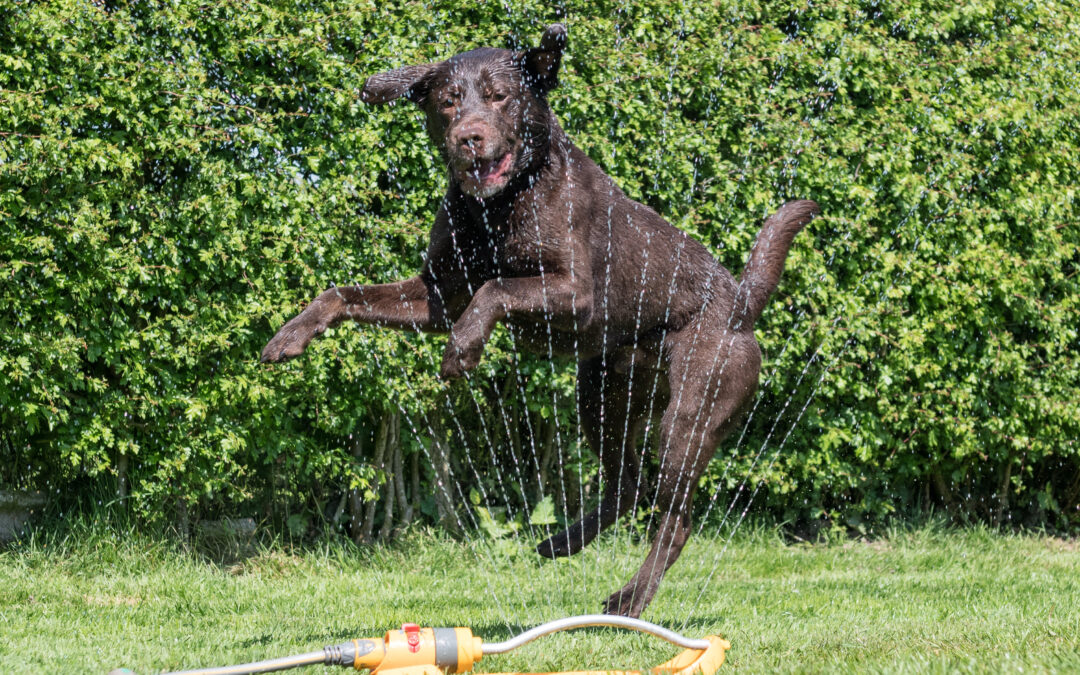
557,546
625,602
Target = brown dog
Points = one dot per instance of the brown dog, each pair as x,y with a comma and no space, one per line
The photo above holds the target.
531,233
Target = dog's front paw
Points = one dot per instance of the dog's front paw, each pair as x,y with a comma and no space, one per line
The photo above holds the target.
457,362
459,358
291,340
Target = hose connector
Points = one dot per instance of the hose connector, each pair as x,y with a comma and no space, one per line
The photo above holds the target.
350,653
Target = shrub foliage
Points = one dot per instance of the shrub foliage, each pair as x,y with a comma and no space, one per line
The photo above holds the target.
176,179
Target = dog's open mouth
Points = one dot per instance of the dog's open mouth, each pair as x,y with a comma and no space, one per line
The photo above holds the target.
485,177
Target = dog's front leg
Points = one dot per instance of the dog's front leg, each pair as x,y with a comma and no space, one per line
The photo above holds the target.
408,305
552,297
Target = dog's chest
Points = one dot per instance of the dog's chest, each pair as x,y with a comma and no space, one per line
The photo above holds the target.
509,254
515,241
522,253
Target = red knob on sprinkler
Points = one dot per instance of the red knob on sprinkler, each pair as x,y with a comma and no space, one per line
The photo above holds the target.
412,636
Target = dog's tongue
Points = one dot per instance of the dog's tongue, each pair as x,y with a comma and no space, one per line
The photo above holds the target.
491,170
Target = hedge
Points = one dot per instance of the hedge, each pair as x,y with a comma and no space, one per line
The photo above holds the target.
177,179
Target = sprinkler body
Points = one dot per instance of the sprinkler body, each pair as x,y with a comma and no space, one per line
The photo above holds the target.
412,650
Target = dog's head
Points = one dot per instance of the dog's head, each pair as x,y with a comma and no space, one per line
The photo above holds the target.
487,111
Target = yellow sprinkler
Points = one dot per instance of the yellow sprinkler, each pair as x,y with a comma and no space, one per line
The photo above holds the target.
413,650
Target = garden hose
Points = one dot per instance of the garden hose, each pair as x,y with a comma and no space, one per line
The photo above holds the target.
413,650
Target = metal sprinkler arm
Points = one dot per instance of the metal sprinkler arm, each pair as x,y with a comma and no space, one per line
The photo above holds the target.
593,620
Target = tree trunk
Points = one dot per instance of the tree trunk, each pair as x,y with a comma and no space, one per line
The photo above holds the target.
1003,496
368,521
392,467
944,493
339,510
1072,493
513,433
547,456
355,495
122,476
440,464
399,478
183,520
414,472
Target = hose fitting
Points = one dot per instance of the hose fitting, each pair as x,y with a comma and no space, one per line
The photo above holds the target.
349,653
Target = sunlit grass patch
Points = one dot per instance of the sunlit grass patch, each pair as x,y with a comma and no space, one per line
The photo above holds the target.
928,600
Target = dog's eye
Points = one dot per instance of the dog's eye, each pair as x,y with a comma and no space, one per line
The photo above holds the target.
496,96
448,100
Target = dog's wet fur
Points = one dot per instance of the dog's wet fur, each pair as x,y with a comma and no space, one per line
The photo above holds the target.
533,234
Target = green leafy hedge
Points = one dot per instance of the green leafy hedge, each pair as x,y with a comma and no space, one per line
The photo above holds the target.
176,180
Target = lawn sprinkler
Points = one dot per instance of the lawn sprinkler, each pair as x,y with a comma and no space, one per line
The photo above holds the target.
413,650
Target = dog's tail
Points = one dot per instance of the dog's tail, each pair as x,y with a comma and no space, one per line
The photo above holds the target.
761,275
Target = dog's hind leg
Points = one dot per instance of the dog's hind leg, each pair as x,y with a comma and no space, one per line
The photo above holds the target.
612,413
711,383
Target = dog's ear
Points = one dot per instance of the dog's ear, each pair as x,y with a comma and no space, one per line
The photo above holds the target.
541,65
410,81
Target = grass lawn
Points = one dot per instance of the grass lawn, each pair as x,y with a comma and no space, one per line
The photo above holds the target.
921,601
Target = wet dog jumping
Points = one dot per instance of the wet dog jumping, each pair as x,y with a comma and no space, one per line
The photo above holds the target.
534,235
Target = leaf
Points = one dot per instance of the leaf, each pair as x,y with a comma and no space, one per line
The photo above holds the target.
489,525
544,513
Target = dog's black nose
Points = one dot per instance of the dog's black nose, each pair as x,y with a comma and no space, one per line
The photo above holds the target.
470,137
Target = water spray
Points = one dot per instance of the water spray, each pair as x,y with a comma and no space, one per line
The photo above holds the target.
412,650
